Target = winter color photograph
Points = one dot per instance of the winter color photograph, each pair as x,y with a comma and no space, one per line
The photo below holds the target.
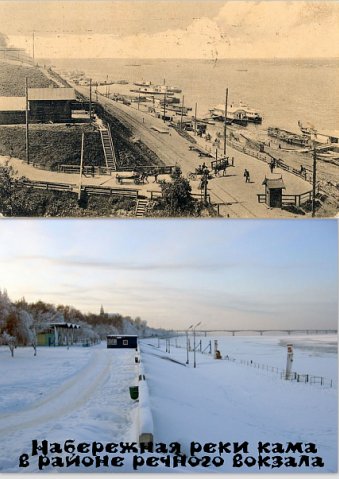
168,347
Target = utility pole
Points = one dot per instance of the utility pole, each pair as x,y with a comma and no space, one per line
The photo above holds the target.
90,99
314,180
194,351
164,105
182,111
81,163
27,121
33,50
195,119
187,344
226,99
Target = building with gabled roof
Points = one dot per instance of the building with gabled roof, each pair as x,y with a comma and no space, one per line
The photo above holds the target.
51,104
12,110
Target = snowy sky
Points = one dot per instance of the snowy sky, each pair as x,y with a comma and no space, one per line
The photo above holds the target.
226,274
172,29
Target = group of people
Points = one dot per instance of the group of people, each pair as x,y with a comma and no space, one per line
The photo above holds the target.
143,175
202,170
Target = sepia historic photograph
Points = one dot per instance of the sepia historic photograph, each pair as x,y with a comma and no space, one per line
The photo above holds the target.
126,350
169,109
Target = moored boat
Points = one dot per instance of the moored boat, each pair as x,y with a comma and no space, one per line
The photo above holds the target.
234,115
288,137
250,114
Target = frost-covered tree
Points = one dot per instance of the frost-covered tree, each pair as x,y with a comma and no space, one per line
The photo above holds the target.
10,341
5,308
87,334
27,329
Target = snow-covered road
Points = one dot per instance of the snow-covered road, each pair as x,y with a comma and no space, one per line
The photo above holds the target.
79,394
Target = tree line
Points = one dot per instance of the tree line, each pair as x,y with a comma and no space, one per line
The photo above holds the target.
21,322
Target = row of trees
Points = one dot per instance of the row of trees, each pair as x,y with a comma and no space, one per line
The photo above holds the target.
20,322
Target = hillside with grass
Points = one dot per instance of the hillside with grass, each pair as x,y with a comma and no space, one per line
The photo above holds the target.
12,79
51,146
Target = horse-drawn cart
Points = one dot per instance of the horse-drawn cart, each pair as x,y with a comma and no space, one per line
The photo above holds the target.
137,178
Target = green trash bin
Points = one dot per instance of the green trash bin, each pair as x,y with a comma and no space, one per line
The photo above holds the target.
134,392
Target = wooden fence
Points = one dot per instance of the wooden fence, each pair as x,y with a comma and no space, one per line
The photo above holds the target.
266,157
293,376
88,189
104,170
86,170
296,200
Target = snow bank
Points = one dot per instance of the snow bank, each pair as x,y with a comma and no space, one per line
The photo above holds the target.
146,429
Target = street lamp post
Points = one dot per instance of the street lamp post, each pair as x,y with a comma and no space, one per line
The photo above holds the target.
194,352
188,359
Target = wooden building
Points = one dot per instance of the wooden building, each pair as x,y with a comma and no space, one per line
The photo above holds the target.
12,110
273,191
122,341
50,104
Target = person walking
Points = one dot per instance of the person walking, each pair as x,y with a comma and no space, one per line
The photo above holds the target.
247,176
272,165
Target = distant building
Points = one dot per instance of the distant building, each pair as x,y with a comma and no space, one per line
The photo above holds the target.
12,110
122,341
46,105
51,104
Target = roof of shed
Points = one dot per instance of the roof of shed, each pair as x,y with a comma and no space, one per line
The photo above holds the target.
51,94
273,183
12,103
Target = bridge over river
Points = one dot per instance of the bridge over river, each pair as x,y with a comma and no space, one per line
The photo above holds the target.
261,332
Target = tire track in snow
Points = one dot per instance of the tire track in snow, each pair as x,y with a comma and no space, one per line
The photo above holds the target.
71,394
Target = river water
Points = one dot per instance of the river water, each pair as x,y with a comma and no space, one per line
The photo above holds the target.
283,91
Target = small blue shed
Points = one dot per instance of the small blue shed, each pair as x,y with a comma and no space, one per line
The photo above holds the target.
122,341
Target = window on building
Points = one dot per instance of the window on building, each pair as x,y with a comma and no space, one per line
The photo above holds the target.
125,342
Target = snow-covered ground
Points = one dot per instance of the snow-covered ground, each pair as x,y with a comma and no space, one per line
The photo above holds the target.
82,394
224,400
79,394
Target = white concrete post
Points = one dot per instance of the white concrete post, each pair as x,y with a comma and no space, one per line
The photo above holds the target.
289,360
215,348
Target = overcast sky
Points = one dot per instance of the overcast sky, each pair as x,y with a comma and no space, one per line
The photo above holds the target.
226,274
172,29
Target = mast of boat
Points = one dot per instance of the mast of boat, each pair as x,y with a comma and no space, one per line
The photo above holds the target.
225,120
